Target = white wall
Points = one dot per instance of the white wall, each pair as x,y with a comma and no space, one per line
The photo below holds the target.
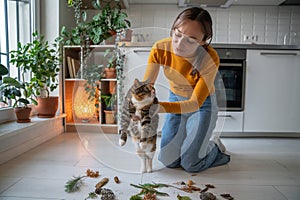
268,23
53,15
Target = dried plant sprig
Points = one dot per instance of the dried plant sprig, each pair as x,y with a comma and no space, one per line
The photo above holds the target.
74,184
183,197
136,197
149,188
92,195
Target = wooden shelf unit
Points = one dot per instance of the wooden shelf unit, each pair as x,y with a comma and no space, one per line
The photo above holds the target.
72,84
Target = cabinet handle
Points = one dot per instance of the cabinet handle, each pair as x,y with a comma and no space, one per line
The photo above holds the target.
276,54
224,115
231,64
141,50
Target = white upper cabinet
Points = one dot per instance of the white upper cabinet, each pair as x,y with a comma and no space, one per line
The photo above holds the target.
205,2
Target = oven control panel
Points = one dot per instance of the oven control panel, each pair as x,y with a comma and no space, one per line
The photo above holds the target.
225,53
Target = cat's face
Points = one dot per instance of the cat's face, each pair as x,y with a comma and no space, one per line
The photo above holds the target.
143,90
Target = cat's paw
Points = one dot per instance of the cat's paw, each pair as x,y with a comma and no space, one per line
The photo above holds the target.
143,145
149,170
122,142
123,138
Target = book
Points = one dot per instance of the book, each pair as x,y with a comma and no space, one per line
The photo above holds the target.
75,66
70,67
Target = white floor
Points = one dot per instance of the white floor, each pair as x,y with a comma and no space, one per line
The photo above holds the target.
261,169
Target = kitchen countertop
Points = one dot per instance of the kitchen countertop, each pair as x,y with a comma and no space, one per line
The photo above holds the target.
223,45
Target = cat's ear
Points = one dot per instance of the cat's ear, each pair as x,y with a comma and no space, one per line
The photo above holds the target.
136,82
147,81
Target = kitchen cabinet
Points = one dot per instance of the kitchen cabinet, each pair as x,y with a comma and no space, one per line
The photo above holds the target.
229,122
272,93
81,112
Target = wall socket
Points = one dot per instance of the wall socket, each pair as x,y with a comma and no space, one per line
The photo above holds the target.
251,39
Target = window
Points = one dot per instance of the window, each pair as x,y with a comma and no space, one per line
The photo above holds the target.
17,22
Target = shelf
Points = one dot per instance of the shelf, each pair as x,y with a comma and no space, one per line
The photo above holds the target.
87,4
74,79
108,79
100,46
92,128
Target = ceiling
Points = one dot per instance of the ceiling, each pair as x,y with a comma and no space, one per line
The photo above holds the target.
217,2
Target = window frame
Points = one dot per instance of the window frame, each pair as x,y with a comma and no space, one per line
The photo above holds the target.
6,112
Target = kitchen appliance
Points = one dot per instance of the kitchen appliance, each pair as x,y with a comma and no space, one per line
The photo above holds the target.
230,81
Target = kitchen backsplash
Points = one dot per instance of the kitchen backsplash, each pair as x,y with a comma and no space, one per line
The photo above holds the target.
237,24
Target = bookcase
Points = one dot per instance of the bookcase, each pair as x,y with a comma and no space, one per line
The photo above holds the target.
83,112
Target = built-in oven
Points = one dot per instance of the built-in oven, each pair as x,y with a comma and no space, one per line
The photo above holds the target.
230,80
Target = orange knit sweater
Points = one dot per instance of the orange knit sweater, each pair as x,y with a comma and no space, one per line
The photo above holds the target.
177,70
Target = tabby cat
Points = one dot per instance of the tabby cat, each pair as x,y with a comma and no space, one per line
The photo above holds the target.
139,118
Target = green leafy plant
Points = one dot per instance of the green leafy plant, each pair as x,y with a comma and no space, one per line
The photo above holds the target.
150,188
17,91
3,70
42,61
108,21
92,74
109,100
111,59
116,19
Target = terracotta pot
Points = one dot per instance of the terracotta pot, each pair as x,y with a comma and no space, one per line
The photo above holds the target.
110,72
112,38
23,114
112,87
110,116
47,107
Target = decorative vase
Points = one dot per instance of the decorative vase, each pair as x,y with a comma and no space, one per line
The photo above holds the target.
23,114
47,107
83,108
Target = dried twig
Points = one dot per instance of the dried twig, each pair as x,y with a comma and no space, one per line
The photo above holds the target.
74,184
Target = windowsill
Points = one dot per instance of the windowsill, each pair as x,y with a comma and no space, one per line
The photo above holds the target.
17,138
12,127
6,114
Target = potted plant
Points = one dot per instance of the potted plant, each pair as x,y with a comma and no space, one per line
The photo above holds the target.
19,93
43,61
112,20
110,68
109,107
104,25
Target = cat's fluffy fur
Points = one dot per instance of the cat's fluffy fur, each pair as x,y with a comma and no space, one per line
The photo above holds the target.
139,118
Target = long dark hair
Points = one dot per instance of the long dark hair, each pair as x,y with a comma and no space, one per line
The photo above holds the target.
200,15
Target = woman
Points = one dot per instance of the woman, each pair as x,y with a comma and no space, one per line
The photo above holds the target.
190,64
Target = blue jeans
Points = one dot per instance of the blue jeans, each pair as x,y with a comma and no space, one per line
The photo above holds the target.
185,138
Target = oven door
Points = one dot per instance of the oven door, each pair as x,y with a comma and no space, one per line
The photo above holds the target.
230,85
